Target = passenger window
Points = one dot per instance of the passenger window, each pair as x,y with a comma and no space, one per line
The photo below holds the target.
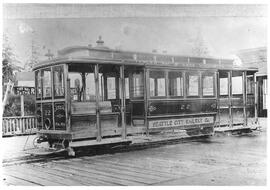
237,85
157,83
75,86
90,87
223,86
127,87
193,84
137,86
58,83
47,89
175,83
38,84
111,88
208,85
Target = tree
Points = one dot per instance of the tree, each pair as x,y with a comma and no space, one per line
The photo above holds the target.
34,56
8,61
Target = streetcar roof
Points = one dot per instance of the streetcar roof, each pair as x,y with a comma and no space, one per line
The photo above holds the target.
104,55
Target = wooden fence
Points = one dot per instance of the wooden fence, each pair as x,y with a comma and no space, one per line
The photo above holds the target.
19,125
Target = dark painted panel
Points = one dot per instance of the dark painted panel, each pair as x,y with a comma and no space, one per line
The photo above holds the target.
138,108
250,100
237,101
39,116
60,116
224,102
181,107
47,116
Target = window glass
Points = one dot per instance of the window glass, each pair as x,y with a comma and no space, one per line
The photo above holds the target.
264,93
58,76
223,86
38,84
175,84
208,85
250,85
237,85
193,85
90,88
157,83
137,87
127,87
111,88
47,89
75,86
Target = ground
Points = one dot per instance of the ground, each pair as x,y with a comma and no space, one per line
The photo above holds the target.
219,160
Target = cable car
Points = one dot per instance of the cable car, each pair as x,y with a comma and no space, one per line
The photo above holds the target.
93,95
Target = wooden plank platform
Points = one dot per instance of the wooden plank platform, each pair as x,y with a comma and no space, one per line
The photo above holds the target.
184,163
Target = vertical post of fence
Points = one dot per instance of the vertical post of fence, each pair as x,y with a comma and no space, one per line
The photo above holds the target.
22,105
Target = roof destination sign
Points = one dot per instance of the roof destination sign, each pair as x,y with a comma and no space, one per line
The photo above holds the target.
181,122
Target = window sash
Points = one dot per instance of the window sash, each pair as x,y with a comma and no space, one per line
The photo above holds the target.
208,85
157,83
193,84
46,83
175,84
58,82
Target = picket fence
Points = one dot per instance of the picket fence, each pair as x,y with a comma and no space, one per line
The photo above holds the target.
19,125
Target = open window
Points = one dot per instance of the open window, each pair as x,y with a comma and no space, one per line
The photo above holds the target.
136,83
157,84
90,88
75,86
175,83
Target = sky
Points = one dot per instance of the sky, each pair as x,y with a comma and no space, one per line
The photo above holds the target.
224,29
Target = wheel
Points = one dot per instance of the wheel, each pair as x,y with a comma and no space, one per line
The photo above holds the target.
71,152
35,143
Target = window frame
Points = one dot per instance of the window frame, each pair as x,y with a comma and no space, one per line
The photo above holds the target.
42,83
252,84
114,82
36,84
232,84
71,88
64,82
131,84
166,84
212,74
192,73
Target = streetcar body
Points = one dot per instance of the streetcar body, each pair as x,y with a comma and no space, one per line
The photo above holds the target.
96,93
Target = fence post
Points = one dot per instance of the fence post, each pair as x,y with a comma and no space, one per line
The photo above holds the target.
22,105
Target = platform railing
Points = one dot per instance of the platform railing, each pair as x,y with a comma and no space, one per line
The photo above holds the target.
19,125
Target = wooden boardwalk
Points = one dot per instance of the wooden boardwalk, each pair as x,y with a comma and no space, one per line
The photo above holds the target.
193,163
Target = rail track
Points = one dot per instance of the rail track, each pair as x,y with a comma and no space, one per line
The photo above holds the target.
97,150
